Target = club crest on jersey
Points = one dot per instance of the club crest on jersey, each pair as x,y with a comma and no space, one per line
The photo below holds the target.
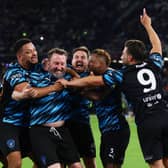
10,143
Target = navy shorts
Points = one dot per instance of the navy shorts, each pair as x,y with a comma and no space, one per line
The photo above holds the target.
14,138
153,137
83,138
113,146
52,145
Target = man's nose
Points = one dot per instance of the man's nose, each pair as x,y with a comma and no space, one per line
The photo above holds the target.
79,59
59,67
34,52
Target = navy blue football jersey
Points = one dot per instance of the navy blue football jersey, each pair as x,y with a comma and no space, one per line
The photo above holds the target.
81,106
109,109
142,85
14,112
52,107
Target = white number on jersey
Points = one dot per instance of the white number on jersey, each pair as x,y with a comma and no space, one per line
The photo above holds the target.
149,81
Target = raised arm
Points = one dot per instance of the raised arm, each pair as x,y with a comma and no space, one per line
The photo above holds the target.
153,37
89,81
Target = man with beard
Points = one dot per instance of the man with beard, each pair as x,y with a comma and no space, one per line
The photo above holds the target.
79,122
142,83
52,144
14,115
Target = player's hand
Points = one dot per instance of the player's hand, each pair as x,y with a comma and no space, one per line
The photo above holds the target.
91,73
58,86
145,19
29,92
64,82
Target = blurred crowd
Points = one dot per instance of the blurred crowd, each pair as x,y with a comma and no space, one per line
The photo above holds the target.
70,23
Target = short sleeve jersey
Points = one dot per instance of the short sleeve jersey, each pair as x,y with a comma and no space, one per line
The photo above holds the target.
14,112
81,106
142,86
109,109
52,107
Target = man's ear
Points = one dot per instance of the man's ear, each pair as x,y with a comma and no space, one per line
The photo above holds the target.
18,55
130,58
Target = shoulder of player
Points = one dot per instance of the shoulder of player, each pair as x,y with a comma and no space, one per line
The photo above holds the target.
15,70
67,76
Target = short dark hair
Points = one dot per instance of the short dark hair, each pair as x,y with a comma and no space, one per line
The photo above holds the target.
104,54
82,48
136,48
57,51
19,43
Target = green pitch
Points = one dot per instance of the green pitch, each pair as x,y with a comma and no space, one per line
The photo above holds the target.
133,154
133,157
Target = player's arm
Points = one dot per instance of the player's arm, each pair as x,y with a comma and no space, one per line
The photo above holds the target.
153,37
93,94
40,92
89,81
89,93
19,91
25,91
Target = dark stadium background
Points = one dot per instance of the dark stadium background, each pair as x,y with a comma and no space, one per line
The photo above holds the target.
70,23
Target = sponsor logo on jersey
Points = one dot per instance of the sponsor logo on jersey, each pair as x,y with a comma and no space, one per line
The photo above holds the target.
16,76
155,97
